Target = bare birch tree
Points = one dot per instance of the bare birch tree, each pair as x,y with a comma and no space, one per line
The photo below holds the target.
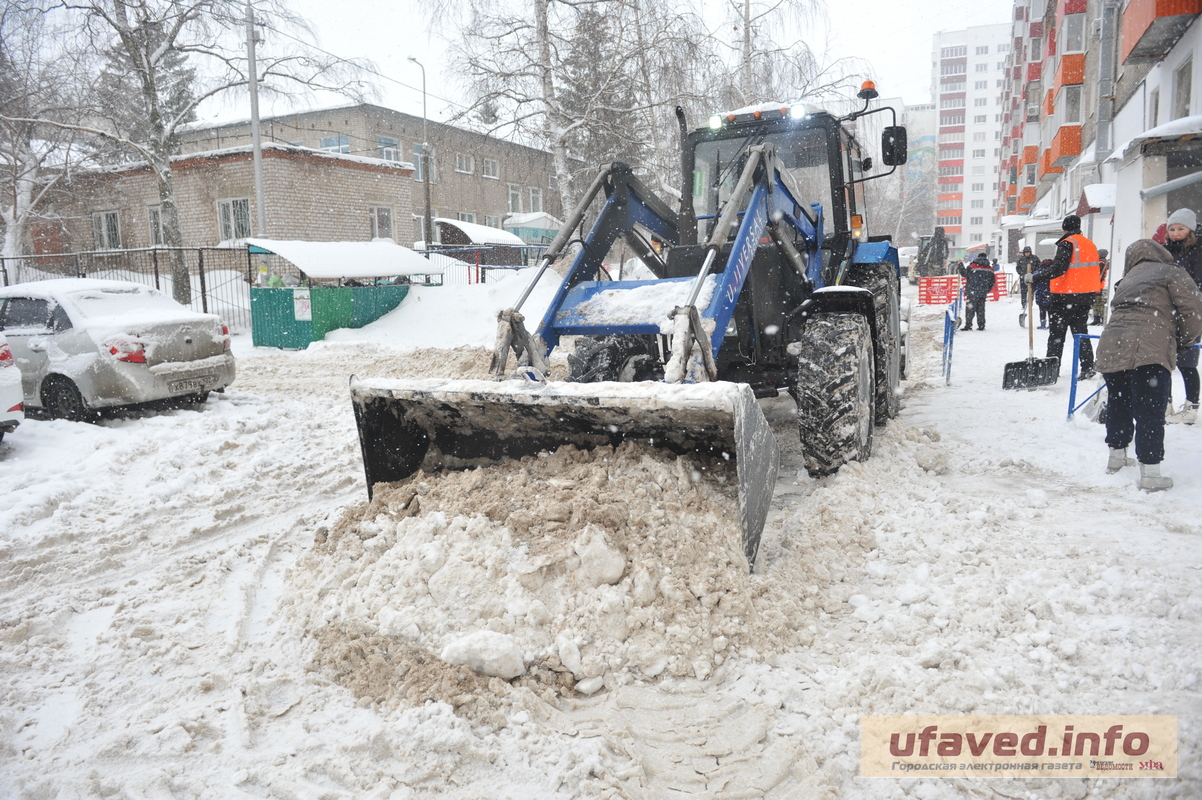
33,158
150,46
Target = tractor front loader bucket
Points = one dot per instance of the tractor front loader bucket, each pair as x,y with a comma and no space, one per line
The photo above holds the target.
432,424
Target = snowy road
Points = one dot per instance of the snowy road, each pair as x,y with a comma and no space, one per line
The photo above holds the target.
160,589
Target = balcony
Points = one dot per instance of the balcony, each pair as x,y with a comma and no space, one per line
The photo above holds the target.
1034,71
1046,168
1152,27
1066,146
1026,199
1071,70
1031,153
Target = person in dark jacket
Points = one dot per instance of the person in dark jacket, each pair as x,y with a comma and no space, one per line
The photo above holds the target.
1074,279
1043,295
980,279
1027,262
1156,310
1182,243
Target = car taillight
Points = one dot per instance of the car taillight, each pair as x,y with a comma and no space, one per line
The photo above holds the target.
133,356
6,355
18,407
225,332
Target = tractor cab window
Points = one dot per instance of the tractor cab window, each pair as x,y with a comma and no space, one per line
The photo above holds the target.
855,192
802,153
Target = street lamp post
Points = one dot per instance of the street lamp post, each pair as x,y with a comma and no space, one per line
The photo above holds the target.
427,222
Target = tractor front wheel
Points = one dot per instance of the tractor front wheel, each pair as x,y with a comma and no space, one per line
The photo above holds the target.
834,391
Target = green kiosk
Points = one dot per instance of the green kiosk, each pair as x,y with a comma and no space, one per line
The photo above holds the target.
291,317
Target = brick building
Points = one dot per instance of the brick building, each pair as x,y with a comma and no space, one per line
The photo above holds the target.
475,177
1103,119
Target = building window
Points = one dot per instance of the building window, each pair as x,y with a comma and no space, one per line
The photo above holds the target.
465,163
536,200
388,149
951,119
978,170
155,215
1030,174
381,222
953,52
514,193
335,144
947,172
982,68
419,165
981,101
1070,105
1154,108
952,102
1003,48
957,136
491,221
976,237
1183,80
953,69
233,218
106,229
944,205
978,187
958,86
1036,49
977,203
979,118
980,84
1072,34
983,50
489,169
467,216
979,136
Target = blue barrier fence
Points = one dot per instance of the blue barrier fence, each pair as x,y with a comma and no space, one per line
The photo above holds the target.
1073,405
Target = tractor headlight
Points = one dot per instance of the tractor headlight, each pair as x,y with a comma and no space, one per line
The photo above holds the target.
797,112
716,122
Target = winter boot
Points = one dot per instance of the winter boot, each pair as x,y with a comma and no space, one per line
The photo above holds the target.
1187,414
1118,460
1150,479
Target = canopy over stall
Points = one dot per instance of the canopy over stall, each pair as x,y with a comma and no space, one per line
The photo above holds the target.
340,260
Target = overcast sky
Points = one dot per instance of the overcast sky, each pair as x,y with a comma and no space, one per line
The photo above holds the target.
892,38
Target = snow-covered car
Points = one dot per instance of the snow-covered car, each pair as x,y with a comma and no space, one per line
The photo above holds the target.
84,344
12,398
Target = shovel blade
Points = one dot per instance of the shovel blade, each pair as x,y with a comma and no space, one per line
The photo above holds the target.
432,425
1031,373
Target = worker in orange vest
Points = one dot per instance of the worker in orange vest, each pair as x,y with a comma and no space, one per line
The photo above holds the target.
1075,277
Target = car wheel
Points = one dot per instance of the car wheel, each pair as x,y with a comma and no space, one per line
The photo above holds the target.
62,400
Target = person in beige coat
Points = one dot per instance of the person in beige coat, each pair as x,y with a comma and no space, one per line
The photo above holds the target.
1156,310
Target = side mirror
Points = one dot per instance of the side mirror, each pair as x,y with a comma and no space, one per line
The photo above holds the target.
866,164
894,147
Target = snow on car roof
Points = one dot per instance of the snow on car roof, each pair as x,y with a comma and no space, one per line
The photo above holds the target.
122,304
57,287
483,234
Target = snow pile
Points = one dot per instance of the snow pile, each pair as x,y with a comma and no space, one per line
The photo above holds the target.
576,570
649,303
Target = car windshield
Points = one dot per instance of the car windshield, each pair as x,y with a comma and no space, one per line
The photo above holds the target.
802,153
112,302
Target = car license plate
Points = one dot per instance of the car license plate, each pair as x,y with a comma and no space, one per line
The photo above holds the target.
192,384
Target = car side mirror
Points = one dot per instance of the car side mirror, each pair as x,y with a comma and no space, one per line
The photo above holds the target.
866,164
894,147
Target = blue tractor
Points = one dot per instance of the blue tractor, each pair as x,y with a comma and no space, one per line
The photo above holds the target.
763,279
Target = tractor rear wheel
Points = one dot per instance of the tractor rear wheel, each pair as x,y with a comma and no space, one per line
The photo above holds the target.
881,281
834,392
614,358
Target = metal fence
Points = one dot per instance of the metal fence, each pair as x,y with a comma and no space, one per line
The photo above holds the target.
220,278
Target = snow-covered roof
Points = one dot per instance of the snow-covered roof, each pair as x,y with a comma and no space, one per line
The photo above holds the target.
483,234
1177,129
1013,220
808,108
532,219
1100,195
328,260
246,148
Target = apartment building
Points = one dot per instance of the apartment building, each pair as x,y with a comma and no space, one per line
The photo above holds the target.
1101,119
967,84
475,178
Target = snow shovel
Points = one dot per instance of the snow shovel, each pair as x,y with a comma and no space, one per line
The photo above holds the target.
1034,371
